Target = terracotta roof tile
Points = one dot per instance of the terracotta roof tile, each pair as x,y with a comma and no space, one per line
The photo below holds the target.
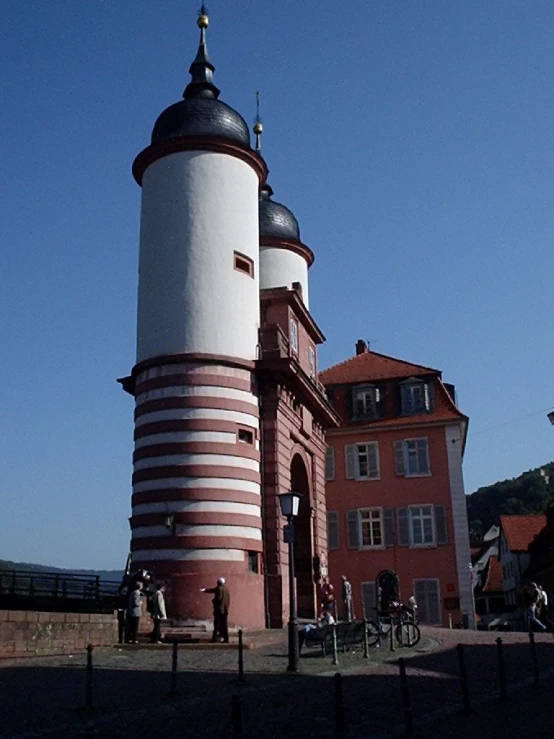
521,530
371,366
493,583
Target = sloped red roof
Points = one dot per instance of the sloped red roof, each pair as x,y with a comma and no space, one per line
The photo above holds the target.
370,366
493,583
521,530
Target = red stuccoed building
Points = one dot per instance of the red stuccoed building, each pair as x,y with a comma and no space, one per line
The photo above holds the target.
394,486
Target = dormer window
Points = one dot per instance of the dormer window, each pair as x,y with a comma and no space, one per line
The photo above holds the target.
415,398
368,401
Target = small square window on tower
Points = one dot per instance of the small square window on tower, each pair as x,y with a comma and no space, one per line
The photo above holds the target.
254,563
246,436
243,264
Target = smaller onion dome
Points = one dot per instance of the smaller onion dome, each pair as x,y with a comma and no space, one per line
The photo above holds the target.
276,220
200,113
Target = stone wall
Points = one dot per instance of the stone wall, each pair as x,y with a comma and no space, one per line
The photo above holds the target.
36,633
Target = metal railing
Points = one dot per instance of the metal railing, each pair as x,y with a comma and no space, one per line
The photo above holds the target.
28,584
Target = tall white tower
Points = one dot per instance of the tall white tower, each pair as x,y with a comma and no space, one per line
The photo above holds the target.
196,506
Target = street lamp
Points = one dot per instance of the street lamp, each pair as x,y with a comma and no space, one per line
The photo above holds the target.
289,503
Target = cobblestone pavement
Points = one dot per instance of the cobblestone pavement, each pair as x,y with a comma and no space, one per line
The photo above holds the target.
44,697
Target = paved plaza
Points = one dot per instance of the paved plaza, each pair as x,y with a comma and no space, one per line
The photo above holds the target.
45,697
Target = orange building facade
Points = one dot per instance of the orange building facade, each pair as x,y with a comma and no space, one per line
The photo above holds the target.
394,486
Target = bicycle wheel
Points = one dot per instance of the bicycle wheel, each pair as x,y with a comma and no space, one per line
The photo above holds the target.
372,633
407,634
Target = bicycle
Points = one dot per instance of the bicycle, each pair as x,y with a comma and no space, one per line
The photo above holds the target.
404,622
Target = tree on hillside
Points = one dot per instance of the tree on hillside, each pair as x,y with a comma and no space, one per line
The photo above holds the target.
527,494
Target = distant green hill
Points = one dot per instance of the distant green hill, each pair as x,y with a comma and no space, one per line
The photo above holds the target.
112,575
527,493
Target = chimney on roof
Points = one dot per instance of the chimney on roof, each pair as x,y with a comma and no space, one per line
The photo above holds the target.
361,347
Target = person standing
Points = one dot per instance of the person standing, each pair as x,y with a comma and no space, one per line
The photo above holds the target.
327,596
158,613
221,602
347,613
134,612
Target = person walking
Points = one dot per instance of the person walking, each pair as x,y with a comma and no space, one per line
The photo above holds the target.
134,612
347,613
221,602
158,613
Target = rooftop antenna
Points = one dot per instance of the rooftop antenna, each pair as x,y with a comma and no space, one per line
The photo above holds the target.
258,124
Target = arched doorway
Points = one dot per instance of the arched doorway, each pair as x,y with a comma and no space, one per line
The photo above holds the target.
303,540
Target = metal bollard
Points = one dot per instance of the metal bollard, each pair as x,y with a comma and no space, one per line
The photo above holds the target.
501,669
335,655
535,661
236,717
406,702
241,658
463,679
392,647
366,641
339,707
174,659
88,680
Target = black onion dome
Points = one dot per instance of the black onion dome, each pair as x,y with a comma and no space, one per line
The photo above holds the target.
201,117
275,219
200,113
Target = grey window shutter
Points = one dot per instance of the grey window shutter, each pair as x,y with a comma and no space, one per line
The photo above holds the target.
330,463
422,456
373,460
441,526
403,518
353,529
399,466
350,461
333,537
388,525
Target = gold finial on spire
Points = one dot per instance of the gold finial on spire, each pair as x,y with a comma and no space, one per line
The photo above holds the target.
258,125
203,21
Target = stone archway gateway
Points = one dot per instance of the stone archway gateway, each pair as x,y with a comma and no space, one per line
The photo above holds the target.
303,548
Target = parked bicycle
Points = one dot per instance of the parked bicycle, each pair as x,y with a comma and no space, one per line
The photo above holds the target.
400,617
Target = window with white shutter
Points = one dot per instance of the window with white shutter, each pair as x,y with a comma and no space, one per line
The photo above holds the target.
427,595
368,401
415,397
330,463
362,461
411,457
422,528
333,534
371,527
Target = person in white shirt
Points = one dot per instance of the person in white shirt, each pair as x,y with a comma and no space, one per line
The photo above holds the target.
158,613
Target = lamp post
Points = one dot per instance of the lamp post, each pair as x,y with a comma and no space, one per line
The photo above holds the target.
289,503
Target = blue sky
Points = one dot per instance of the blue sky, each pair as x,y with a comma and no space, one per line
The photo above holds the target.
414,142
